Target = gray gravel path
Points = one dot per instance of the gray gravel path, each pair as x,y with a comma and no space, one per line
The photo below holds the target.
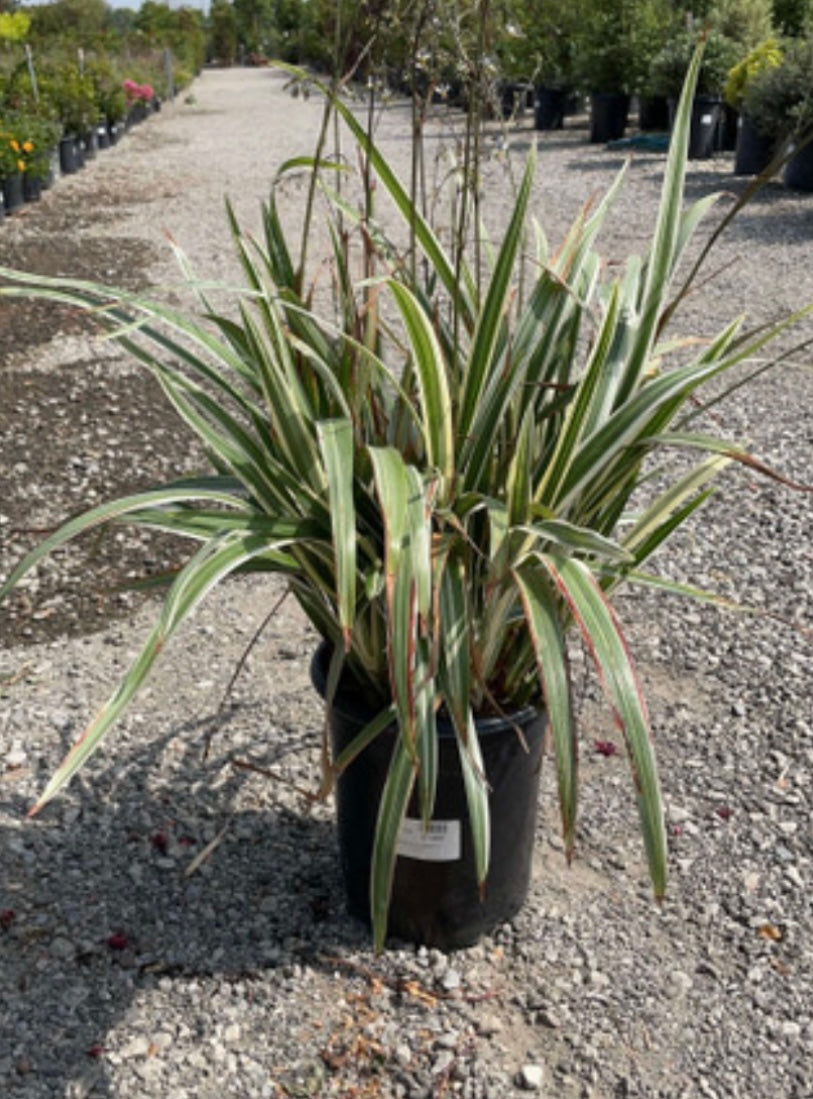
173,925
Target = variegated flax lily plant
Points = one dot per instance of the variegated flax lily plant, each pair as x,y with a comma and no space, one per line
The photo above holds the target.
445,503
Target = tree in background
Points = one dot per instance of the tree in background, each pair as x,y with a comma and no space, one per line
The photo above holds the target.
793,17
80,22
255,20
223,32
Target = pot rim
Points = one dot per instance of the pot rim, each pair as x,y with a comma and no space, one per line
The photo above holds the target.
350,704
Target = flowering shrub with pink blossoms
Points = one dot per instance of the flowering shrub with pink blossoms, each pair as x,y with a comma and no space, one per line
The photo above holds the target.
135,92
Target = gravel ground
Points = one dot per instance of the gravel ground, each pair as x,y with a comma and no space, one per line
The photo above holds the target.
173,925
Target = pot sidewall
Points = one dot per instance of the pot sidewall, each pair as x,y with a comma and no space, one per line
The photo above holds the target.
438,903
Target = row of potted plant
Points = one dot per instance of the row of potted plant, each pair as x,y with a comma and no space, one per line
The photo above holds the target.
775,96
33,143
77,78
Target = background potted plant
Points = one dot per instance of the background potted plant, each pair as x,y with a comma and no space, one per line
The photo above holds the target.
655,25
604,64
779,100
39,148
14,150
744,24
72,95
444,484
755,150
541,49
667,69
111,105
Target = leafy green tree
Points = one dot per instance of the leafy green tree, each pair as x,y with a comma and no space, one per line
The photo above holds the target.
254,24
81,21
154,20
745,22
223,26
793,17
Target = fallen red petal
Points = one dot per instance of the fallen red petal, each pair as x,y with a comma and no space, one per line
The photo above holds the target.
723,811
95,1051
7,918
118,941
605,747
160,842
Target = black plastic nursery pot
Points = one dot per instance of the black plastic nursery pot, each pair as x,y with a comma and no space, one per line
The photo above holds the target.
727,129
435,897
513,99
32,188
549,108
705,121
754,152
798,174
12,187
70,156
608,116
653,113
90,144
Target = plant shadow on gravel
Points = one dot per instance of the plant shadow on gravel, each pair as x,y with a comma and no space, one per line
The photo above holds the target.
100,906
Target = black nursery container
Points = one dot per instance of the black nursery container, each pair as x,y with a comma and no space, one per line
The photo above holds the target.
705,122
12,187
754,151
798,174
71,158
549,108
608,116
435,897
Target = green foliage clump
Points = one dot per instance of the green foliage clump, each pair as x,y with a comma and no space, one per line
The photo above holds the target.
26,141
107,88
767,55
14,26
779,100
670,65
223,25
744,22
793,17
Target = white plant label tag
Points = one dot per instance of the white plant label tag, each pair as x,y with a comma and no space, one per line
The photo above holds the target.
438,842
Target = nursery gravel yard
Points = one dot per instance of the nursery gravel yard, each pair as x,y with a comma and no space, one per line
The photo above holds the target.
172,926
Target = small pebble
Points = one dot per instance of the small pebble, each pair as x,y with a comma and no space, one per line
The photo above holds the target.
531,1077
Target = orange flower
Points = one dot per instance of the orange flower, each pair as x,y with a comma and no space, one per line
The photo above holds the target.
28,147
20,165
14,143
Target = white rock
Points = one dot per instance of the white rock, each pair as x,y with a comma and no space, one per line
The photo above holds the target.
136,1047
531,1077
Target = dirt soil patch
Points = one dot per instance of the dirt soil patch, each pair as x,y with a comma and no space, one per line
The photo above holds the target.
69,427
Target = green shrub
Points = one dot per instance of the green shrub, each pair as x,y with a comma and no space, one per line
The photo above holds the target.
671,64
779,100
767,55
